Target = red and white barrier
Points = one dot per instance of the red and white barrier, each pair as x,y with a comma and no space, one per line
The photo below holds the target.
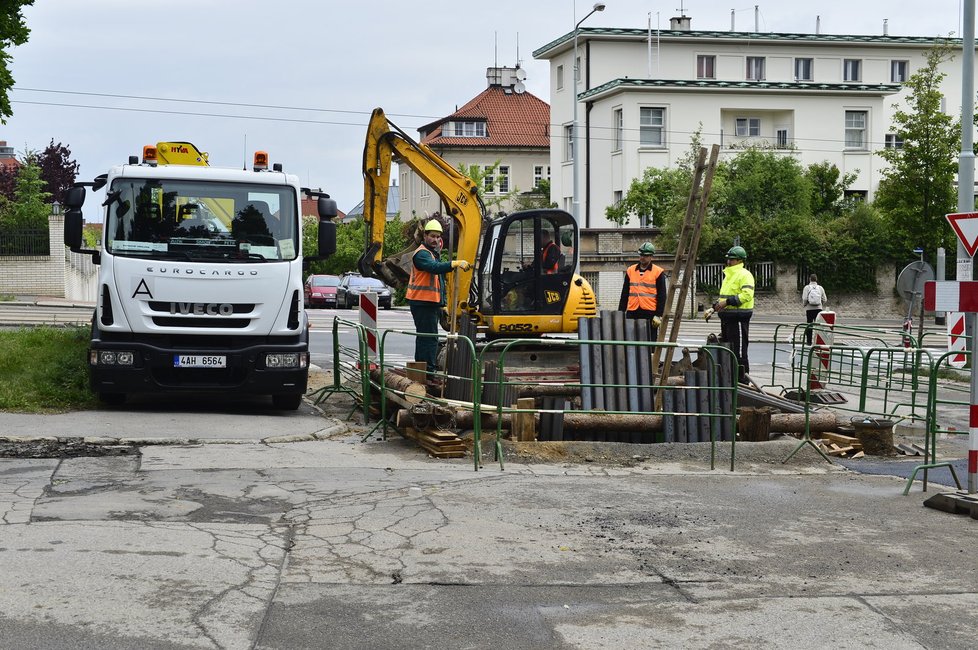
368,318
957,340
822,339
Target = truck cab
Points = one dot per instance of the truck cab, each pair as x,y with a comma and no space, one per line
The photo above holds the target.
200,281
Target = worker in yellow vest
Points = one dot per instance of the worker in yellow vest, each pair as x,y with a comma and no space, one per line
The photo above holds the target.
736,306
426,291
643,294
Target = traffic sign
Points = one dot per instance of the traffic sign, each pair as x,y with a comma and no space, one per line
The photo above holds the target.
949,295
965,226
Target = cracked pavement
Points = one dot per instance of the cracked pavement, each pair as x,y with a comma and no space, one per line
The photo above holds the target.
338,543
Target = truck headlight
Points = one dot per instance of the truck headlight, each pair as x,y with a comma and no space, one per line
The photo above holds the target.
288,360
111,357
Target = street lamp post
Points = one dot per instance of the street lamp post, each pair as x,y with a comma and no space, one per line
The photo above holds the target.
575,140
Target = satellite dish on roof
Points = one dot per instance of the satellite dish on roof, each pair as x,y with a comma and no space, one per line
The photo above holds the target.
520,74
519,87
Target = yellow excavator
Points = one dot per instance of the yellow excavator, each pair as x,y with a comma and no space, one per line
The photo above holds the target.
512,291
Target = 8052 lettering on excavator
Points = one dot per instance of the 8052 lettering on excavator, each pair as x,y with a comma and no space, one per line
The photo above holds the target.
514,288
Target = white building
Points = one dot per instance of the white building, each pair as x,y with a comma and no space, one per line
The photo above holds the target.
503,124
818,97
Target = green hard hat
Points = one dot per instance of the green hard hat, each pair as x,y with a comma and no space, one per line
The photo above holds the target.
646,249
737,252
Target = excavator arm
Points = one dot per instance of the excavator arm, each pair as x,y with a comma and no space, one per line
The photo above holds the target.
386,143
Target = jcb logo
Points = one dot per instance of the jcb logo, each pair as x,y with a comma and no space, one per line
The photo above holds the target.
552,297
516,327
462,199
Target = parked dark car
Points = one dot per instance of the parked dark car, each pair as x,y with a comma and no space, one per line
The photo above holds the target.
320,290
352,285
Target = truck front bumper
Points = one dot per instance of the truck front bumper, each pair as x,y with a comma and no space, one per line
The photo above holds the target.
153,368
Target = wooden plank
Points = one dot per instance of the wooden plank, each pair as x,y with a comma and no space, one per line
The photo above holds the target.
416,371
621,370
837,437
527,429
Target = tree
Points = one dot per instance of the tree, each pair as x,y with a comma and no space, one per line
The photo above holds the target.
829,187
13,31
486,178
535,199
29,208
58,170
917,188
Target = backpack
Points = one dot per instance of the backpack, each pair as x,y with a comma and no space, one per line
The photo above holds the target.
815,296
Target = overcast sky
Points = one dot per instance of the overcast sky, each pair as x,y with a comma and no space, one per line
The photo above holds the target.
299,78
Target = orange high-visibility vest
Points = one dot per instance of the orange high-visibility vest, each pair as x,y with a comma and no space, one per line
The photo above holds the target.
423,286
549,270
641,287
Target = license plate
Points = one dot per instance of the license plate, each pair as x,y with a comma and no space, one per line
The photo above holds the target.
199,361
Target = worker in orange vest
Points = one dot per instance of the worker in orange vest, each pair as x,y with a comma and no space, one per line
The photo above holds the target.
426,291
643,295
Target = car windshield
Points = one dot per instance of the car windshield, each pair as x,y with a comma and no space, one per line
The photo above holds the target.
325,281
201,221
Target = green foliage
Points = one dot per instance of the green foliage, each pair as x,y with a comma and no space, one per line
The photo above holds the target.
44,369
765,199
828,188
13,31
479,175
917,188
536,199
30,208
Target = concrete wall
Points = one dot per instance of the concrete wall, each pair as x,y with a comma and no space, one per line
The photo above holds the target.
60,274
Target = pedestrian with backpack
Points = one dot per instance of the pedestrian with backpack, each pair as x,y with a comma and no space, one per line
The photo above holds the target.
813,299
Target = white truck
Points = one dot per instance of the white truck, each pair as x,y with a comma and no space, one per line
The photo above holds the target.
200,277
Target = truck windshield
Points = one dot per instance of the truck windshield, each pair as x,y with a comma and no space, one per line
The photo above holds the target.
201,221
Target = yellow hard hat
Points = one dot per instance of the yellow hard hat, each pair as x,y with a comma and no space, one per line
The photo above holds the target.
433,226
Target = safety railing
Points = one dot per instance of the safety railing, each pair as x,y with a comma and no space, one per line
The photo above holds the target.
714,406
946,399
351,366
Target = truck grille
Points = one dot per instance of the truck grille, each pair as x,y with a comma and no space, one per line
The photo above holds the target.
212,322
164,307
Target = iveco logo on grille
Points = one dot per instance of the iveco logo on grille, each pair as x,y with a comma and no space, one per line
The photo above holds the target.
202,308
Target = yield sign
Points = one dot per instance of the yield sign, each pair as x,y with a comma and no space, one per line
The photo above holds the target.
965,225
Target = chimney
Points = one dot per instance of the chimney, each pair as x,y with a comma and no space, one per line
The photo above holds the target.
680,23
886,27
818,25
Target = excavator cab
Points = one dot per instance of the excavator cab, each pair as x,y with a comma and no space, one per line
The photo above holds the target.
527,264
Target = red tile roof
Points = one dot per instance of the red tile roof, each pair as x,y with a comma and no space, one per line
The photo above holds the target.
512,120
10,163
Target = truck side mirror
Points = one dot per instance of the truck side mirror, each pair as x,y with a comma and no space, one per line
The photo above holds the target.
75,198
327,237
326,207
73,228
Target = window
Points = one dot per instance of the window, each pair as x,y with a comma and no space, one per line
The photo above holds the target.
706,66
858,196
470,129
781,139
504,179
560,77
618,124
899,71
569,142
893,141
488,180
652,127
538,174
755,68
617,197
577,69
804,69
748,126
852,70
856,129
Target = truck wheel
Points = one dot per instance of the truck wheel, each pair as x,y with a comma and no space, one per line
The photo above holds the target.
288,402
112,399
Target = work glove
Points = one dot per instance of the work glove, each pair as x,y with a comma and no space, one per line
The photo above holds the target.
461,264
708,314
656,321
720,304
